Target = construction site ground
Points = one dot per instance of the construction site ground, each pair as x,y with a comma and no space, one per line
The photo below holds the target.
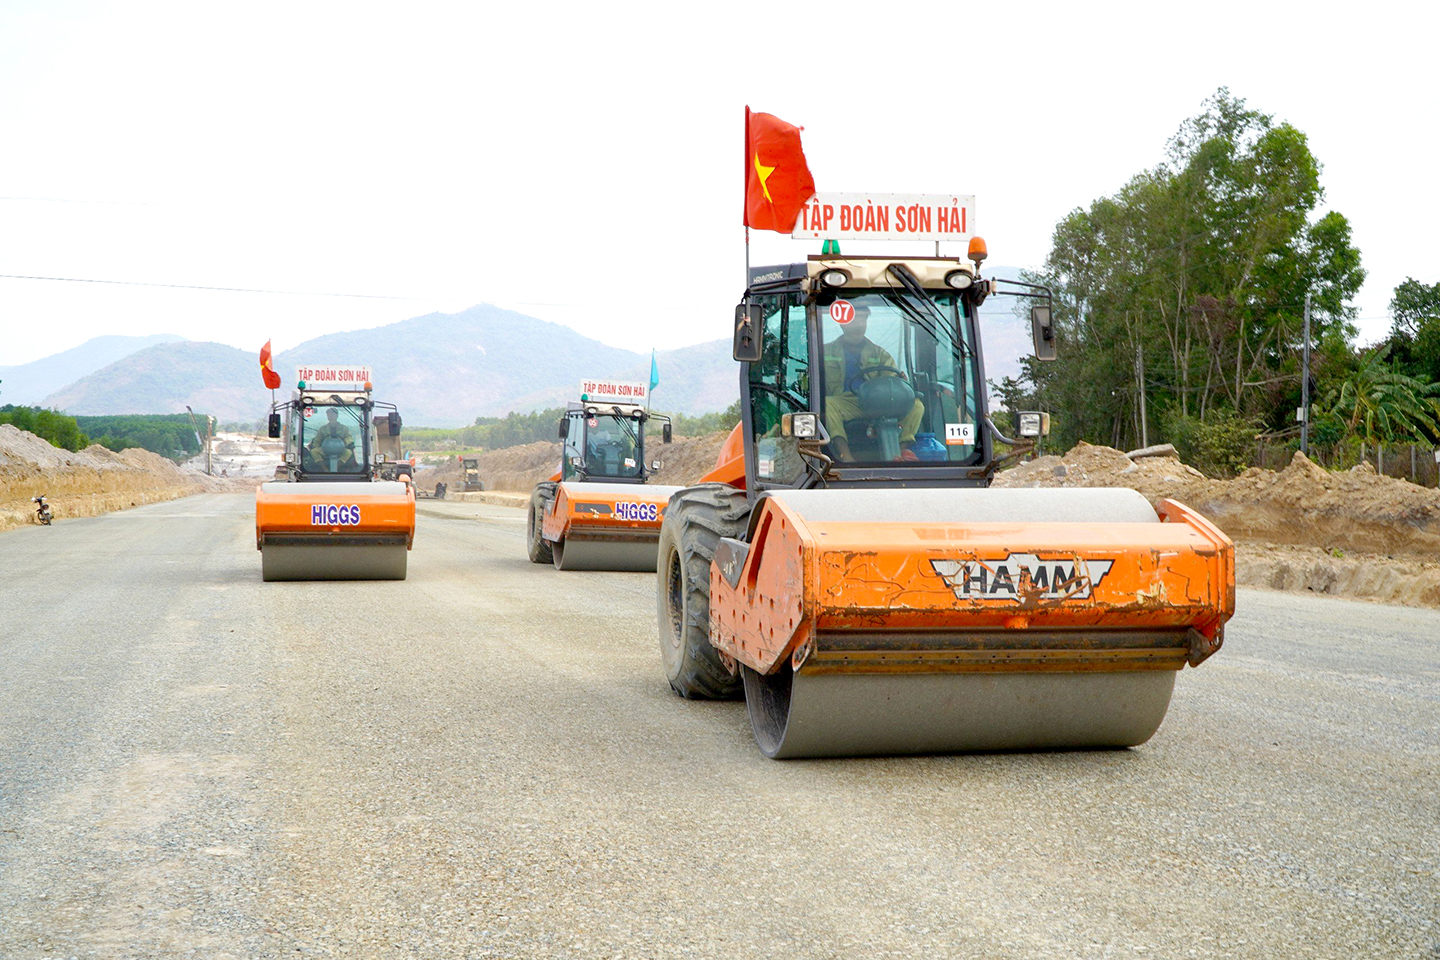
94,480
485,760
1353,534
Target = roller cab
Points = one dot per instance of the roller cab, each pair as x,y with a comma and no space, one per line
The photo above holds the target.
342,506
600,511
847,569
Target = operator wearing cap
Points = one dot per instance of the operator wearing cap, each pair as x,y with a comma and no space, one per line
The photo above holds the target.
332,440
850,360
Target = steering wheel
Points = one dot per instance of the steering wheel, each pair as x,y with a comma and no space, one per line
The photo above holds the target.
872,369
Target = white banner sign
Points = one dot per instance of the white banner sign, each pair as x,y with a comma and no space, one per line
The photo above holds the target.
886,216
613,391
334,377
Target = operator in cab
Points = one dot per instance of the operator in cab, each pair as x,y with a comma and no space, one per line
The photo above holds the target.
610,447
850,360
332,443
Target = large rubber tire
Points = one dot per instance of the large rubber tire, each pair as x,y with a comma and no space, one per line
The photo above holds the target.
695,520
535,545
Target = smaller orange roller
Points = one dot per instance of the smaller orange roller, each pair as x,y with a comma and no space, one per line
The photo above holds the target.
600,512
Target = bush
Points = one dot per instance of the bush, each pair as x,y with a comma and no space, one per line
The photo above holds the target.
1220,445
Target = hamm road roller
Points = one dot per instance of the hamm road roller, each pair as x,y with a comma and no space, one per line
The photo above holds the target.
330,514
847,569
600,512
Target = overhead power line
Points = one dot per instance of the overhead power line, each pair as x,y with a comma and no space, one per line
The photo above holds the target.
193,286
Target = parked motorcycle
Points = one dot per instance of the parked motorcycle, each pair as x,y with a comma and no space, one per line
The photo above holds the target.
42,512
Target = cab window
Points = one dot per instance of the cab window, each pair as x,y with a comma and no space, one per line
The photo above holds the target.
331,438
779,384
898,385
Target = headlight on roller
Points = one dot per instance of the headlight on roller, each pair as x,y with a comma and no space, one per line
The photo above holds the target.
801,426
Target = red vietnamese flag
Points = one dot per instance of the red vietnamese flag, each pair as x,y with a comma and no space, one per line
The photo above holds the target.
777,181
267,372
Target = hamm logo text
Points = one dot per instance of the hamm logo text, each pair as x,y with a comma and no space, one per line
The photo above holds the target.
1007,577
334,515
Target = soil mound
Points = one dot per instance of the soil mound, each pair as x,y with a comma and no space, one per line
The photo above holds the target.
1303,505
85,483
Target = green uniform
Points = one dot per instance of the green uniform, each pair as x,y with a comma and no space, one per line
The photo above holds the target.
345,462
841,404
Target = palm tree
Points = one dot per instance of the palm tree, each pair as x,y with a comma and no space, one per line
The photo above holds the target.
1382,405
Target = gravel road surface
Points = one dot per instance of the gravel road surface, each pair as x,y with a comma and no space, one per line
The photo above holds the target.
485,761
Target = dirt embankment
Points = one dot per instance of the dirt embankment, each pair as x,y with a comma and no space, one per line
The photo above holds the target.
88,483
1352,533
683,462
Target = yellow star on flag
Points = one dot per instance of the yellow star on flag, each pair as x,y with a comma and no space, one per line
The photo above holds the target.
763,172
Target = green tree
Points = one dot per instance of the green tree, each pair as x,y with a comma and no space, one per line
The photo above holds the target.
53,426
1412,305
1204,263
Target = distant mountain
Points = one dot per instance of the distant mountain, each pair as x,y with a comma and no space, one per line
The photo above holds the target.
447,369
697,379
29,383
439,369
210,377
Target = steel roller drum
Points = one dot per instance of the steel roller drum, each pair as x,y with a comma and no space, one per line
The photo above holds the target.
828,714
574,553
333,561
795,715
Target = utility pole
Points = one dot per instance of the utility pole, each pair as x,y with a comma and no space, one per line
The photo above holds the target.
1305,385
209,444
1140,383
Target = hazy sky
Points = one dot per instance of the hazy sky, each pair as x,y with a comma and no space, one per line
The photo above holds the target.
582,164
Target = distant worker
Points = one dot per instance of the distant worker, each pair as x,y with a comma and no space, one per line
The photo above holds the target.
850,360
332,447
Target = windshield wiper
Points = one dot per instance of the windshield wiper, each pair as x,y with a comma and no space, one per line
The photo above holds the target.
629,432
936,320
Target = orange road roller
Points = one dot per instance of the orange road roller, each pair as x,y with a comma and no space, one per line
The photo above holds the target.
328,514
847,570
600,512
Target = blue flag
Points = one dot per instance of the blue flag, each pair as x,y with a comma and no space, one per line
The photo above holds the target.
654,372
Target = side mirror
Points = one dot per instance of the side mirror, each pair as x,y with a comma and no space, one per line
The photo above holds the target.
394,423
564,427
654,464
1043,330
747,333
274,426
666,432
